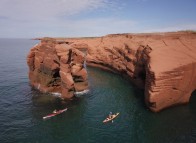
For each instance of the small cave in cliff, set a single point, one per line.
(56, 73)
(140, 75)
(56, 77)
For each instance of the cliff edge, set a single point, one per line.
(163, 64)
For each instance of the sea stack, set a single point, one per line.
(55, 67)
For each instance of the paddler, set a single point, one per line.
(110, 115)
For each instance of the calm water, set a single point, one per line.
(22, 109)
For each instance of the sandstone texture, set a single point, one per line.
(163, 64)
(54, 66)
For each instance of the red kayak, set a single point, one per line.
(54, 114)
(110, 119)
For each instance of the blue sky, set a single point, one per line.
(77, 18)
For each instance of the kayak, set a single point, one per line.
(54, 114)
(110, 119)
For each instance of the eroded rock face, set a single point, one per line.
(163, 64)
(54, 66)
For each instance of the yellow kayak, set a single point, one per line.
(110, 119)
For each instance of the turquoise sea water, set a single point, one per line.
(22, 109)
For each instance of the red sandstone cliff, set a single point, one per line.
(56, 67)
(163, 64)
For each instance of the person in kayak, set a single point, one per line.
(110, 115)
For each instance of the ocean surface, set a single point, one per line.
(22, 109)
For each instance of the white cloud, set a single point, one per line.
(47, 9)
(34, 18)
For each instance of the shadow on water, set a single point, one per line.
(138, 93)
(44, 99)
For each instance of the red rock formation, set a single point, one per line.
(164, 64)
(56, 67)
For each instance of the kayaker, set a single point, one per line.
(110, 115)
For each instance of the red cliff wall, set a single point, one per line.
(163, 64)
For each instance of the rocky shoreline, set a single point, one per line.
(163, 64)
